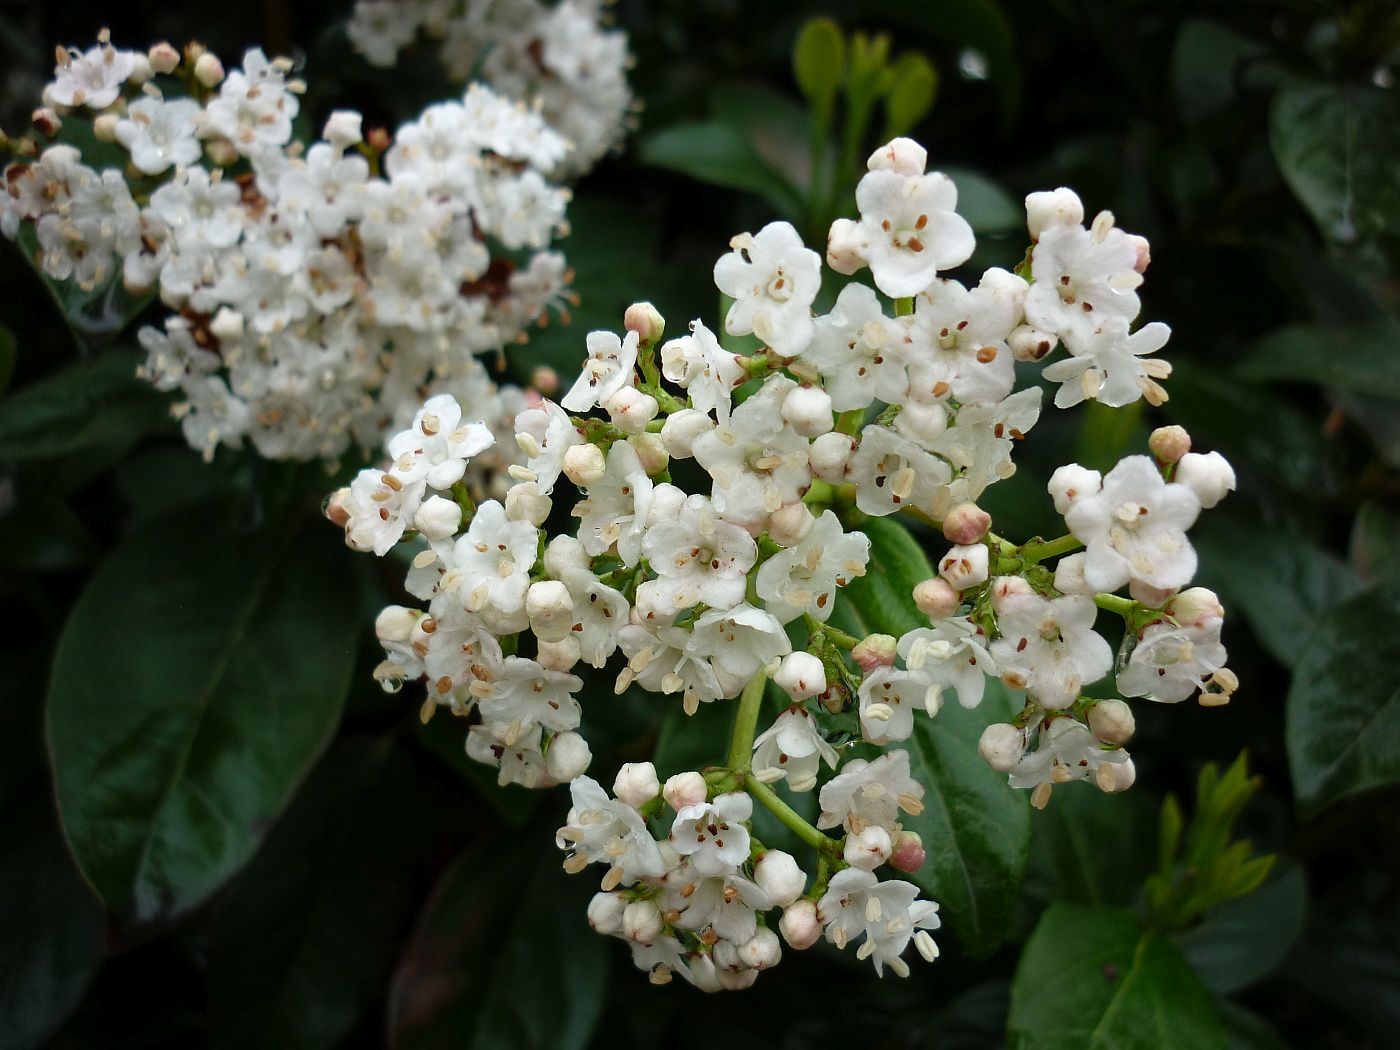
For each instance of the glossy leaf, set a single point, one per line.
(1092, 978)
(987, 207)
(1364, 359)
(717, 155)
(198, 677)
(1375, 543)
(502, 957)
(1242, 942)
(975, 827)
(1343, 705)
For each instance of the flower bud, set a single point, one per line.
(208, 70)
(1111, 721)
(965, 566)
(808, 409)
(605, 912)
(1195, 606)
(551, 610)
(1070, 482)
(1030, 344)
(681, 429)
(104, 127)
(568, 757)
(342, 129)
(874, 650)
(936, 598)
(1169, 444)
(868, 848)
(800, 926)
(378, 139)
(924, 421)
(762, 951)
(438, 518)
(1149, 596)
(846, 250)
(1004, 588)
(1209, 476)
(221, 152)
(631, 410)
(684, 789)
(646, 321)
(163, 58)
(778, 875)
(1047, 208)
(545, 380)
(801, 675)
(651, 452)
(525, 502)
(46, 122)
(560, 655)
(830, 456)
(790, 523)
(585, 464)
(394, 624)
(636, 784)
(735, 978)
(1114, 777)
(226, 325)
(563, 555)
(901, 155)
(337, 507)
(1001, 746)
(641, 922)
(1144, 252)
(1069, 575)
(666, 503)
(966, 523)
(908, 853)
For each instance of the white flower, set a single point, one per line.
(607, 370)
(1134, 528)
(738, 642)
(712, 835)
(773, 279)
(887, 914)
(698, 557)
(438, 445)
(159, 134)
(1169, 662)
(519, 763)
(865, 793)
(725, 903)
(492, 561)
(857, 353)
(1048, 646)
(524, 695)
(254, 109)
(600, 828)
(1082, 277)
(381, 506)
(950, 655)
(600, 613)
(793, 748)
(1108, 365)
(615, 510)
(892, 471)
(959, 339)
(93, 78)
(544, 433)
(1208, 475)
(888, 697)
(1066, 751)
(706, 371)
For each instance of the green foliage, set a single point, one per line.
(1094, 978)
(1363, 359)
(199, 676)
(819, 63)
(1245, 940)
(1344, 704)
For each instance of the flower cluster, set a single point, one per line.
(708, 582)
(557, 58)
(317, 293)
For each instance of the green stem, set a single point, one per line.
(1038, 551)
(789, 816)
(1115, 604)
(746, 722)
(840, 639)
(849, 422)
(904, 306)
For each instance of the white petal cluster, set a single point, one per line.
(556, 57)
(313, 300)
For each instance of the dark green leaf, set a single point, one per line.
(1091, 848)
(91, 402)
(987, 207)
(1343, 705)
(882, 601)
(716, 154)
(1206, 66)
(446, 737)
(1364, 359)
(1245, 940)
(770, 122)
(1375, 543)
(975, 827)
(198, 677)
(819, 60)
(1284, 604)
(502, 957)
(1091, 978)
(1335, 144)
(1377, 418)
(8, 355)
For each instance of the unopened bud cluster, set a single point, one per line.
(861, 411)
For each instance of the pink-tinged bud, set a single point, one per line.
(846, 250)
(559, 656)
(966, 523)
(681, 429)
(631, 410)
(646, 321)
(378, 139)
(336, 507)
(636, 784)
(1150, 597)
(651, 452)
(901, 155)
(830, 456)
(1112, 722)
(801, 675)
(908, 853)
(875, 650)
(163, 58)
(605, 912)
(965, 566)
(762, 951)
(1047, 208)
(1030, 344)
(1001, 746)
(545, 380)
(790, 523)
(937, 598)
(868, 848)
(1169, 444)
(800, 926)
(1144, 252)
(585, 464)
(1195, 607)
(1006, 588)
(208, 70)
(778, 875)
(46, 122)
(733, 979)
(684, 789)
(641, 922)
(194, 50)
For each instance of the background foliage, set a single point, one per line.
(259, 847)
